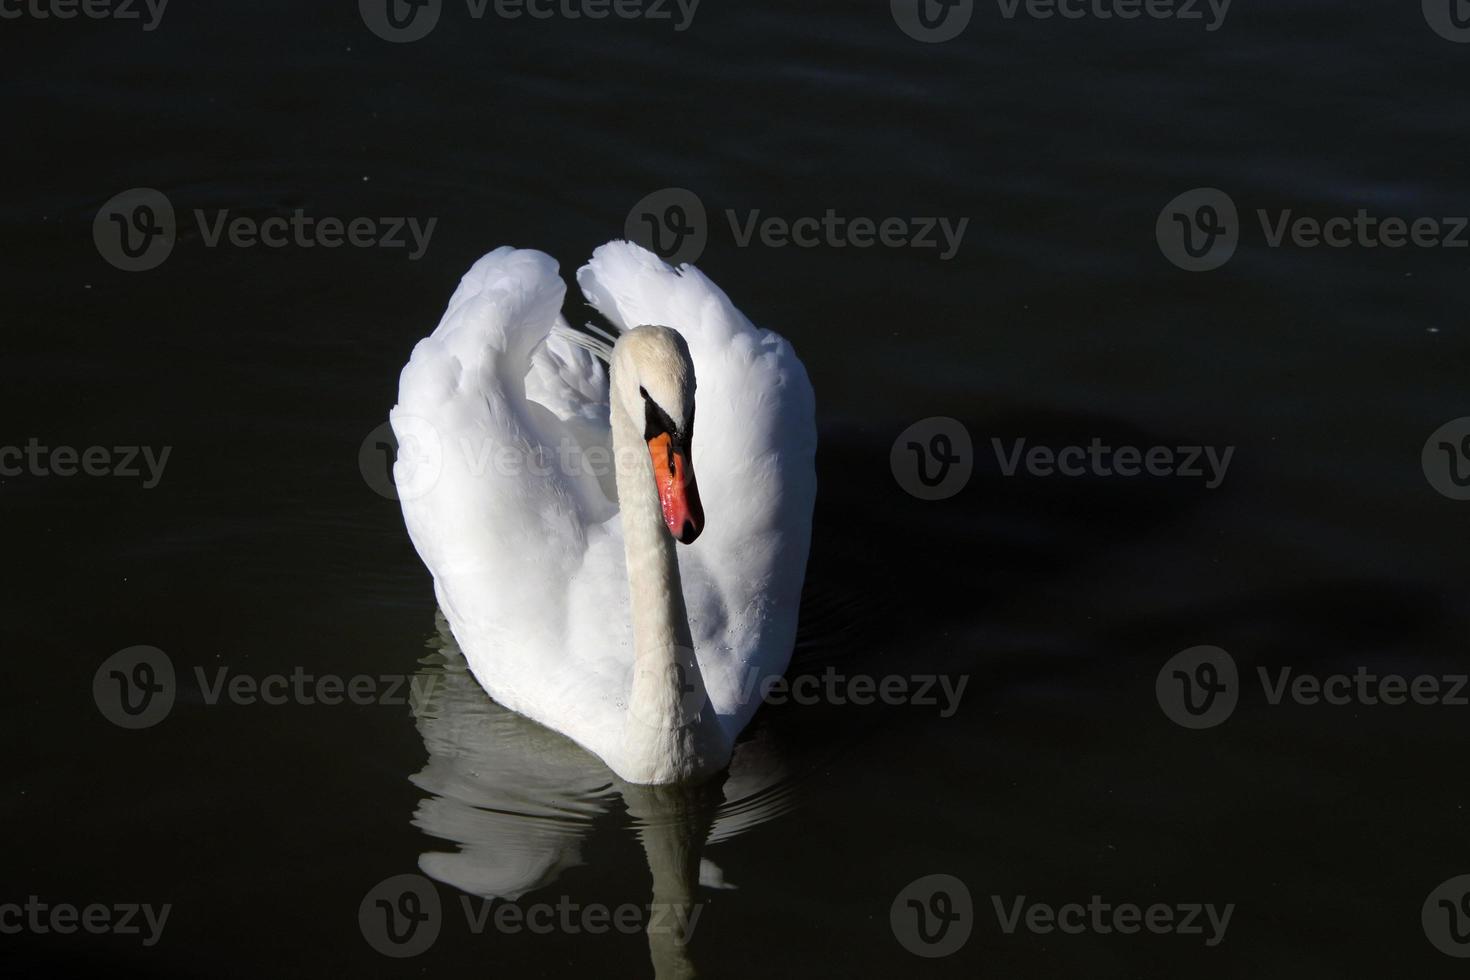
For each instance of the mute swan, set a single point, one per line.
(545, 494)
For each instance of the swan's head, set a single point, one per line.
(653, 380)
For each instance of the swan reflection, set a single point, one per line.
(518, 801)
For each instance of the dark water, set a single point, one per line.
(263, 550)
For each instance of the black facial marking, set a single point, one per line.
(656, 422)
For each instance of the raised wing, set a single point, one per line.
(498, 500)
(754, 457)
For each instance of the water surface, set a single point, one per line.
(263, 550)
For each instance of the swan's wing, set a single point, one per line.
(502, 509)
(569, 381)
(754, 457)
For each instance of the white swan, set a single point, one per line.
(545, 497)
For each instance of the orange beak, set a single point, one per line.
(678, 494)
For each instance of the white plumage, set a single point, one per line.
(505, 477)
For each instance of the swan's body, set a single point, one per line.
(552, 561)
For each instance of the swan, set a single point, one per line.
(610, 570)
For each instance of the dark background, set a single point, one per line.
(264, 549)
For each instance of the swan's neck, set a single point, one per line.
(671, 733)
